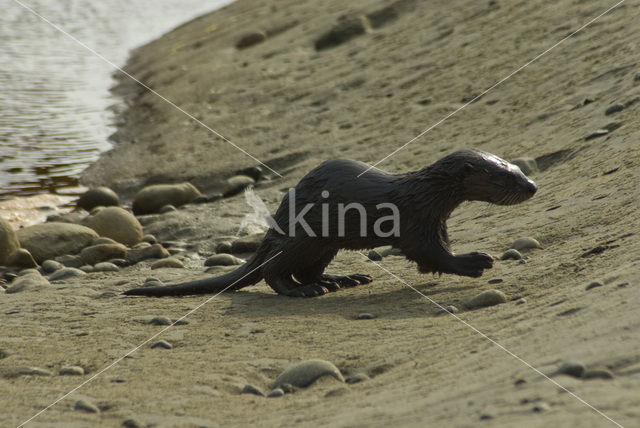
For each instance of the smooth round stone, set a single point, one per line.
(250, 389)
(103, 252)
(170, 262)
(50, 240)
(223, 260)
(69, 260)
(247, 244)
(116, 223)
(50, 266)
(149, 239)
(571, 368)
(521, 301)
(250, 39)
(449, 309)
(223, 247)
(511, 254)
(486, 298)
(103, 240)
(29, 282)
(597, 374)
(99, 196)
(276, 392)
(21, 258)
(374, 256)
(152, 198)
(66, 273)
(237, 184)
(593, 284)
(160, 320)
(132, 423)
(87, 269)
(391, 252)
(71, 371)
(155, 251)
(86, 406)
(365, 316)
(167, 209)
(163, 344)
(525, 243)
(105, 267)
(613, 109)
(305, 373)
(8, 240)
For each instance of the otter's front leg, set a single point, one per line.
(440, 260)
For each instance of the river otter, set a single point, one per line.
(423, 200)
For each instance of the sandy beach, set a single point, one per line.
(291, 102)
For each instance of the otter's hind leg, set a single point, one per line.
(315, 274)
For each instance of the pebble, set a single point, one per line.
(29, 282)
(66, 273)
(167, 209)
(357, 378)
(132, 423)
(50, 240)
(374, 256)
(486, 298)
(247, 244)
(99, 196)
(391, 252)
(526, 165)
(8, 240)
(170, 262)
(347, 27)
(151, 199)
(276, 392)
(160, 320)
(511, 254)
(250, 389)
(155, 251)
(636, 77)
(162, 344)
(521, 301)
(87, 268)
(525, 243)
(223, 247)
(21, 258)
(613, 109)
(50, 266)
(251, 39)
(223, 260)
(119, 262)
(597, 374)
(71, 371)
(116, 223)
(597, 133)
(35, 371)
(106, 267)
(103, 252)
(365, 316)
(103, 240)
(593, 284)
(69, 260)
(305, 373)
(571, 368)
(86, 406)
(254, 172)
(449, 309)
(541, 407)
(237, 184)
(149, 239)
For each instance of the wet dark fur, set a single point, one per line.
(425, 199)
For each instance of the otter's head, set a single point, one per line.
(486, 177)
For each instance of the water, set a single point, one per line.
(54, 94)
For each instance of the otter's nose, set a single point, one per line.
(531, 187)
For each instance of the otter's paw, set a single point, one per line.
(473, 264)
(348, 280)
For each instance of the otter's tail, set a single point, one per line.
(246, 275)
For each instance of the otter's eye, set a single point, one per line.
(468, 168)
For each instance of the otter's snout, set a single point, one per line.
(531, 187)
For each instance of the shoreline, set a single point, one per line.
(293, 101)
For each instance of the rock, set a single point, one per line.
(160, 320)
(521, 301)
(149, 239)
(162, 344)
(66, 273)
(593, 284)
(525, 243)
(71, 371)
(254, 172)
(223, 247)
(106, 267)
(597, 374)
(276, 392)
(70, 261)
(541, 407)
(223, 260)
(50, 266)
(102, 252)
(8, 240)
(167, 209)
(374, 256)
(357, 378)
(347, 27)
(391, 252)
(21, 258)
(116, 223)
(50, 240)
(150, 199)
(34, 371)
(237, 184)
(103, 240)
(170, 262)
(571, 368)
(75, 217)
(251, 39)
(87, 268)
(29, 282)
(250, 389)
(511, 254)
(449, 309)
(365, 316)
(86, 406)
(636, 77)
(99, 196)
(305, 373)
(597, 133)
(132, 423)
(613, 109)
(526, 165)
(155, 251)
(247, 244)
(486, 298)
